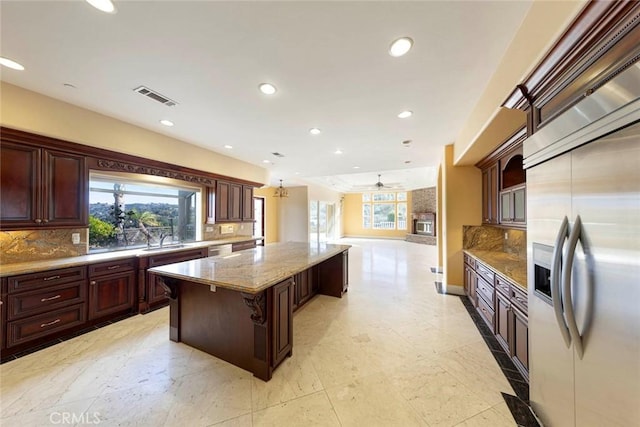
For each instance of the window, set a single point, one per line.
(129, 211)
(384, 211)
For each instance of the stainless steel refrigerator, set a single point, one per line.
(583, 253)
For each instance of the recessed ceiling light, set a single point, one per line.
(267, 88)
(400, 46)
(103, 5)
(356, 167)
(266, 161)
(228, 147)
(405, 114)
(11, 64)
(166, 122)
(338, 151)
(315, 131)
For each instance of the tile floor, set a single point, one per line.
(392, 352)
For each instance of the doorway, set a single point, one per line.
(258, 215)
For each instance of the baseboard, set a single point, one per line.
(452, 289)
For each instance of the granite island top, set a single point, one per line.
(508, 265)
(252, 270)
(50, 264)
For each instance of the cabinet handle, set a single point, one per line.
(93, 282)
(38, 220)
(51, 278)
(521, 301)
(113, 267)
(45, 220)
(50, 298)
(44, 325)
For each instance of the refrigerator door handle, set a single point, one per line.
(555, 281)
(574, 237)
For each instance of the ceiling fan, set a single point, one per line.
(379, 185)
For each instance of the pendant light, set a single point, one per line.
(281, 191)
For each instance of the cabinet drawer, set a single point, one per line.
(27, 282)
(112, 267)
(485, 272)
(243, 245)
(21, 331)
(503, 286)
(170, 258)
(486, 312)
(38, 301)
(519, 298)
(470, 261)
(485, 290)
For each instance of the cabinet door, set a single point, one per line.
(503, 312)
(64, 189)
(490, 194)
(248, 213)
(111, 294)
(282, 320)
(235, 202)
(222, 201)
(470, 282)
(211, 205)
(19, 192)
(506, 207)
(520, 342)
(519, 205)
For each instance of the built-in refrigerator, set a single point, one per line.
(583, 253)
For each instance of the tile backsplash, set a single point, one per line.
(37, 245)
(489, 238)
(223, 231)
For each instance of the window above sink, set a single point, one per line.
(128, 211)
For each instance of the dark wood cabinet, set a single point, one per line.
(112, 288)
(151, 294)
(520, 341)
(490, 194)
(503, 320)
(513, 208)
(233, 202)
(42, 188)
(282, 321)
(240, 246)
(248, 213)
(333, 275)
(42, 305)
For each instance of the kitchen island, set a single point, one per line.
(239, 307)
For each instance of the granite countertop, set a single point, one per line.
(508, 265)
(49, 264)
(252, 270)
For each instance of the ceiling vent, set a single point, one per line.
(278, 154)
(155, 96)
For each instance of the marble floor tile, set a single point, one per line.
(391, 352)
(373, 400)
(312, 410)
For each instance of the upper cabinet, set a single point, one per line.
(41, 187)
(233, 202)
(504, 184)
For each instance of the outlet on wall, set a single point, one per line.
(75, 238)
(506, 235)
(208, 229)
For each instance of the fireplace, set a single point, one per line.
(424, 223)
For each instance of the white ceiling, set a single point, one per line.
(328, 60)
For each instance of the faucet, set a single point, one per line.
(164, 236)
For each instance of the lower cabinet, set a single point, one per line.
(333, 275)
(150, 293)
(503, 306)
(305, 285)
(282, 320)
(112, 288)
(235, 247)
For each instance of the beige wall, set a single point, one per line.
(461, 205)
(29, 111)
(293, 215)
(271, 228)
(544, 23)
(352, 206)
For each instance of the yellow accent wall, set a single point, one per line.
(461, 205)
(352, 219)
(32, 112)
(271, 207)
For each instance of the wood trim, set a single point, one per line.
(102, 159)
(600, 42)
(509, 144)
